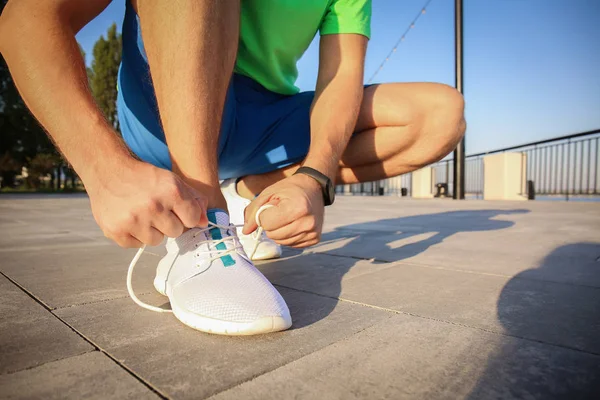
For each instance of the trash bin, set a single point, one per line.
(441, 190)
(530, 190)
(404, 192)
(381, 191)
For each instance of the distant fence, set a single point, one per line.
(564, 166)
(391, 186)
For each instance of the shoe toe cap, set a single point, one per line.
(240, 305)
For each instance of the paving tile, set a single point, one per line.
(89, 376)
(27, 237)
(492, 241)
(412, 358)
(318, 272)
(184, 363)
(38, 220)
(556, 313)
(511, 278)
(29, 334)
(522, 305)
(67, 276)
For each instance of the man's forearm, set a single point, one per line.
(333, 118)
(47, 68)
(191, 48)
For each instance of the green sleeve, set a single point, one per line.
(347, 16)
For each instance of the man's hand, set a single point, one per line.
(297, 218)
(140, 204)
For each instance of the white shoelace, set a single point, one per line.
(213, 243)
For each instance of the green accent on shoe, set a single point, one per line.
(215, 234)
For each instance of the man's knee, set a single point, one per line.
(439, 126)
(448, 110)
(445, 122)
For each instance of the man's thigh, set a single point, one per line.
(271, 131)
(401, 104)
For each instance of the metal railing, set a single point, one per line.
(563, 166)
(443, 172)
(391, 186)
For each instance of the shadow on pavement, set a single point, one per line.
(567, 316)
(373, 238)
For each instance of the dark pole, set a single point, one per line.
(458, 190)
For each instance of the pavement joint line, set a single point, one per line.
(86, 303)
(253, 377)
(46, 362)
(53, 246)
(34, 297)
(91, 342)
(421, 265)
(391, 310)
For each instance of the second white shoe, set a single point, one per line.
(256, 245)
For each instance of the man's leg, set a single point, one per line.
(191, 48)
(401, 127)
(211, 284)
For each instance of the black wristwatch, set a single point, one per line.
(324, 181)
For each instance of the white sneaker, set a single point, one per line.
(257, 245)
(213, 286)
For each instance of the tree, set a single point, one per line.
(22, 138)
(105, 68)
(42, 165)
(20, 134)
(9, 168)
(88, 70)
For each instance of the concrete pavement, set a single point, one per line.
(415, 299)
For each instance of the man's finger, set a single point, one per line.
(168, 224)
(128, 241)
(203, 205)
(287, 231)
(279, 216)
(305, 243)
(294, 240)
(191, 212)
(250, 212)
(149, 236)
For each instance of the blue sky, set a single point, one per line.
(531, 72)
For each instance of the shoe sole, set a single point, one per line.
(219, 327)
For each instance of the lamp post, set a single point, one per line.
(458, 190)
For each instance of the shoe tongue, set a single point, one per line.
(190, 238)
(218, 216)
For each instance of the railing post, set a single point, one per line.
(568, 166)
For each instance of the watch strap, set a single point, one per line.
(321, 178)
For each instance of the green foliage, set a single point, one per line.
(21, 137)
(42, 165)
(23, 142)
(105, 67)
(88, 70)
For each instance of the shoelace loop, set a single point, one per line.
(219, 254)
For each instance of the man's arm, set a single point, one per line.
(338, 97)
(133, 202)
(37, 39)
(298, 218)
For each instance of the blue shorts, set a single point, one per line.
(261, 131)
